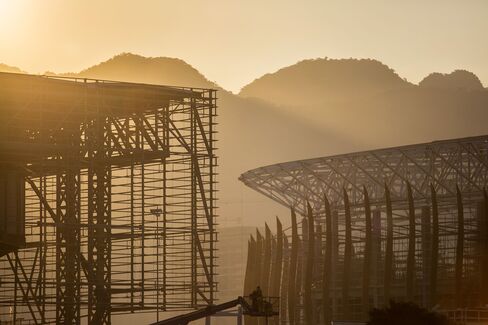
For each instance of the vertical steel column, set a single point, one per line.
(335, 271)
(259, 264)
(166, 136)
(249, 267)
(211, 204)
(143, 226)
(410, 289)
(284, 282)
(376, 259)
(459, 250)
(426, 255)
(308, 301)
(388, 275)
(68, 233)
(346, 278)
(194, 234)
(265, 276)
(327, 275)
(44, 250)
(292, 278)
(259, 257)
(250, 276)
(277, 265)
(132, 237)
(484, 249)
(367, 253)
(277, 262)
(99, 221)
(435, 247)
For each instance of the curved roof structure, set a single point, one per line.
(444, 164)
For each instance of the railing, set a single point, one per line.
(262, 306)
(464, 316)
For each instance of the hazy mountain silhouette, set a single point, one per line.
(251, 133)
(7, 68)
(136, 68)
(458, 79)
(313, 108)
(370, 103)
(322, 81)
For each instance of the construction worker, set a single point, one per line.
(257, 299)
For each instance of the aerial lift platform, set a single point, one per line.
(265, 307)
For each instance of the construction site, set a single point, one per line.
(406, 223)
(107, 199)
(108, 206)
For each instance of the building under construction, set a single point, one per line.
(407, 223)
(107, 199)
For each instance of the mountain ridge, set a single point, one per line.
(334, 79)
(357, 105)
(10, 69)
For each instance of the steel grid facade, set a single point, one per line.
(97, 157)
(405, 223)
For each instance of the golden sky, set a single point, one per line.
(233, 42)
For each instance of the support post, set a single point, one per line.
(459, 250)
(68, 233)
(292, 278)
(426, 256)
(99, 222)
(265, 276)
(308, 301)
(284, 282)
(346, 278)
(435, 247)
(484, 247)
(375, 255)
(367, 254)
(327, 269)
(410, 285)
(388, 275)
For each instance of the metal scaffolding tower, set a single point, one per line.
(94, 160)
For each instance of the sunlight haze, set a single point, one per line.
(232, 42)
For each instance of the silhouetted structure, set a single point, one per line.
(407, 223)
(115, 183)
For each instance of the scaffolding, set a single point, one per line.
(407, 223)
(119, 200)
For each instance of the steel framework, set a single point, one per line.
(408, 223)
(119, 198)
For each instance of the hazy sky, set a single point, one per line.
(233, 42)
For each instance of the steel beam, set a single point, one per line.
(327, 284)
(284, 282)
(346, 277)
(435, 248)
(459, 251)
(410, 275)
(292, 278)
(309, 268)
(367, 254)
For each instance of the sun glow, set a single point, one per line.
(9, 14)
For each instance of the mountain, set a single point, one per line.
(458, 79)
(374, 107)
(252, 133)
(7, 68)
(313, 108)
(323, 81)
(136, 68)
